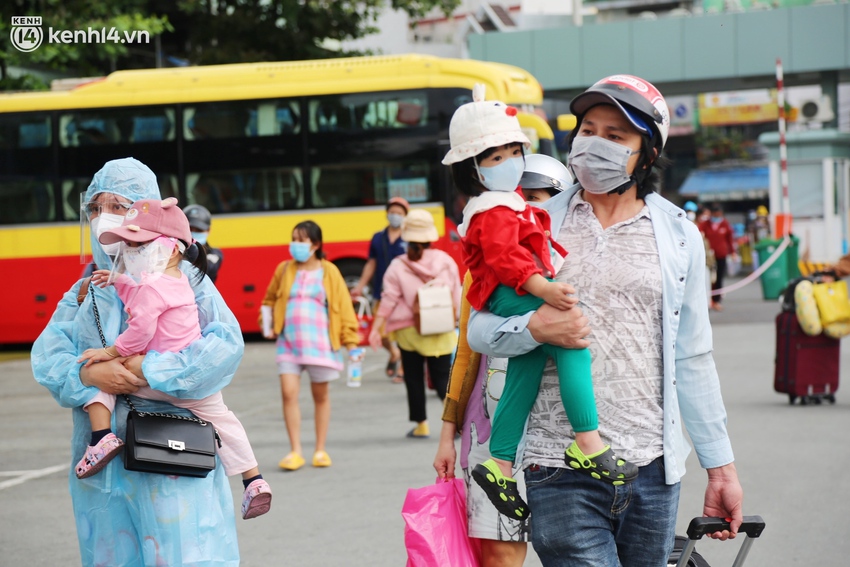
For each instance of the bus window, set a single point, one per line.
(366, 111)
(86, 130)
(287, 115)
(241, 119)
(369, 184)
(272, 118)
(217, 120)
(154, 127)
(26, 201)
(24, 131)
(329, 115)
(135, 125)
(167, 185)
(72, 191)
(246, 190)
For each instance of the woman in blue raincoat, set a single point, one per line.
(123, 517)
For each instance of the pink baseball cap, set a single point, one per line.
(401, 202)
(149, 219)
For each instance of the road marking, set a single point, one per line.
(23, 476)
(258, 409)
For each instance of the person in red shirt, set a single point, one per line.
(720, 235)
(513, 260)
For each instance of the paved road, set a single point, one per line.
(793, 463)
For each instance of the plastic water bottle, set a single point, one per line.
(355, 367)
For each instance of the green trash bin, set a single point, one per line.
(783, 270)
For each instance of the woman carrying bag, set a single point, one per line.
(125, 517)
(421, 266)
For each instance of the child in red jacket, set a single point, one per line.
(513, 259)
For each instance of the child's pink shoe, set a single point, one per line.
(257, 499)
(98, 456)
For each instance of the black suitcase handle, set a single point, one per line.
(753, 526)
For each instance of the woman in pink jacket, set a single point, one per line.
(402, 280)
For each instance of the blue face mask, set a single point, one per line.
(300, 251)
(200, 237)
(716, 220)
(504, 176)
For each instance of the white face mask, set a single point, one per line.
(101, 224)
(600, 164)
(395, 219)
(148, 260)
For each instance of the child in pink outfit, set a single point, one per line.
(162, 316)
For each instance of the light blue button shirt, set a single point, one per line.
(691, 385)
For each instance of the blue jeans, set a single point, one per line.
(577, 520)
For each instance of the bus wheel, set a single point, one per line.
(351, 269)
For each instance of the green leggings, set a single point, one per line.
(523, 377)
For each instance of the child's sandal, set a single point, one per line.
(604, 466)
(97, 456)
(501, 490)
(257, 499)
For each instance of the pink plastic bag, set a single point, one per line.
(435, 526)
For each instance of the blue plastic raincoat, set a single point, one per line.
(130, 518)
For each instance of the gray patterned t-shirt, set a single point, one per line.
(617, 275)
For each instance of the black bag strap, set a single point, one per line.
(385, 244)
(96, 312)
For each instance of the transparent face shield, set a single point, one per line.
(106, 211)
(146, 262)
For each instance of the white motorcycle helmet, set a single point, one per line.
(636, 98)
(545, 172)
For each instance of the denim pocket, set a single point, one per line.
(536, 475)
(659, 463)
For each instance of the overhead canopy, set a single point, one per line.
(738, 184)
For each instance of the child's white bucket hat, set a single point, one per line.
(481, 124)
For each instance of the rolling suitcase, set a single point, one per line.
(806, 367)
(684, 554)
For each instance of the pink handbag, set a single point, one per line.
(435, 526)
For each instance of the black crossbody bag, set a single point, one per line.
(166, 443)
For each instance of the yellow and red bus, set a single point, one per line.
(263, 146)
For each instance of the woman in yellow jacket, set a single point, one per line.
(308, 309)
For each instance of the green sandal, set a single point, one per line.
(602, 466)
(501, 490)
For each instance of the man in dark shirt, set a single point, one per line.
(385, 245)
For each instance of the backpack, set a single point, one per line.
(433, 307)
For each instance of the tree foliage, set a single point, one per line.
(194, 32)
(82, 59)
(231, 31)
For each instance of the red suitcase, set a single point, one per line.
(806, 367)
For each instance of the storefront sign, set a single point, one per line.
(738, 107)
